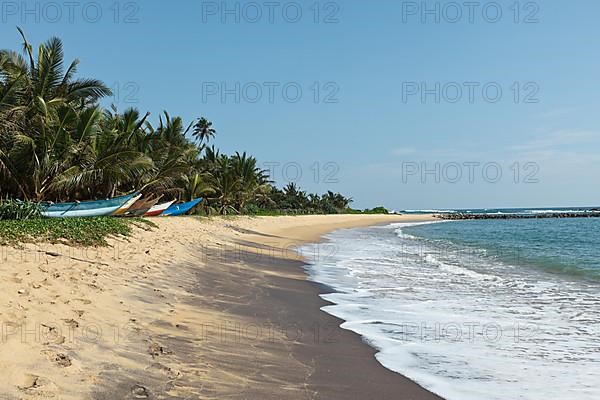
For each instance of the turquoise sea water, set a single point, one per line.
(471, 310)
(522, 211)
(561, 246)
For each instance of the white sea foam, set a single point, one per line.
(464, 326)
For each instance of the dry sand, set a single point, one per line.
(195, 309)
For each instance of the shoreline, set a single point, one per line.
(210, 308)
(346, 366)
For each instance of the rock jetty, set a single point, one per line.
(465, 216)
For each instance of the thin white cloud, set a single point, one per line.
(555, 113)
(562, 147)
(558, 140)
(403, 151)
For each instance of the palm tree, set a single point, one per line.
(105, 161)
(226, 184)
(252, 179)
(197, 186)
(295, 198)
(172, 155)
(44, 101)
(203, 130)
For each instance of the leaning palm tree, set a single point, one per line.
(47, 79)
(43, 101)
(102, 163)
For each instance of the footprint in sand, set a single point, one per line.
(168, 371)
(140, 392)
(84, 301)
(156, 350)
(60, 359)
(30, 383)
(52, 335)
(71, 322)
(60, 340)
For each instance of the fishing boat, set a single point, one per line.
(140, 207)
(180, 209)
(158, 209)
(128, 204)
(96, 208)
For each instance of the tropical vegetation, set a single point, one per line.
(58, 144)
(72, 231)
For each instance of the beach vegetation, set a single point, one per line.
(71, 231)
(376, 210)
(14, 209)
(58, 144)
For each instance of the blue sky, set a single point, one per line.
(366, 129)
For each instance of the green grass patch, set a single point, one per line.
(73, 231)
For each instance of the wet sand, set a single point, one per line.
(197, 309)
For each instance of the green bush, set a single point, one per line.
(19, 210)
(251, 209)
(377, 210)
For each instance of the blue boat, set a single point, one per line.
(82, 209)
(180, 209)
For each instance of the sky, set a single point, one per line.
(410, 105)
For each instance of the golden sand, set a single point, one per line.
(77, 320)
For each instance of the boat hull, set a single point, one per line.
(84, 209)
(140, 208)
(180, 209)
(158, 209)
(128, 204)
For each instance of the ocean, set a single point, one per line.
(514, 211)
(471, 310)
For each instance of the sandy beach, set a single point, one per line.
(214, 308)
